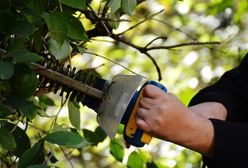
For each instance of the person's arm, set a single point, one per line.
(209, 110)
(205, 131)
(231, 135)
(164, 116)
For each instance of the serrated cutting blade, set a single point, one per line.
(115, 101)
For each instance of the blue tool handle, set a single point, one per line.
(159, 85)
(135, 137)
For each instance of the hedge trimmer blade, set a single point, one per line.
(114, 104)
(67, 81)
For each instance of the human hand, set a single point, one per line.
(160, 114)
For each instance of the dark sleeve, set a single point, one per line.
(231, 136)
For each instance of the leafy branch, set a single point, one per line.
(104, 29)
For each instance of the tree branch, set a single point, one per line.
(142, 50)
(145, 50)
(182, 45)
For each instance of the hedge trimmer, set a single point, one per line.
(115, 101)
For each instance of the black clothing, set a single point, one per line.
(230, 136)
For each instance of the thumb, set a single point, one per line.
(151, 91)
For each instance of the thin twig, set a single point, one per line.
(157, 38)
(99, 7)
(66, 156)
(175, 28)
(56, 117)
(105, 9)
(101, 40)
(142, 50)
(13, 162)
(61, 106)
(94, 68)
(113, 62)
(112, 20)
(37, 128)
(179, 30)
(182, 45)
(14, 128)
(142, 21)
(155, 64)
(102, 22)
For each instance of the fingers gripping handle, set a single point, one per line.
(132, 134)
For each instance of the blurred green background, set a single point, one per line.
(185, 70)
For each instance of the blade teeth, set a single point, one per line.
(83, 76)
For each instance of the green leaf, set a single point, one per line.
(5, 86)
(94, 137)
(20, 54)
(4, 110)
(75, 29)
(114, 5)
(22, 28)
(151, 165)
(7, 140)
(116, 149)
(37, 6)
(21, 139)
(81, 49)
(25, 57)
(34, 155)
(26, 107)
(24, 82)
(66, 138)
(78, 4)
(101, 135)
(59, 51)
(121, 129)
(6, 70)
(135, 160)
(218, 6)
(128, 6)
(16, 45)
(57, 128)
(114, 16)
(45, 101)
(57, 25)
(5, 23)
(38, 166)
(74, 113)
(37, 40)
(90, 136)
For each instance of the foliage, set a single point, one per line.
(187, 46)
